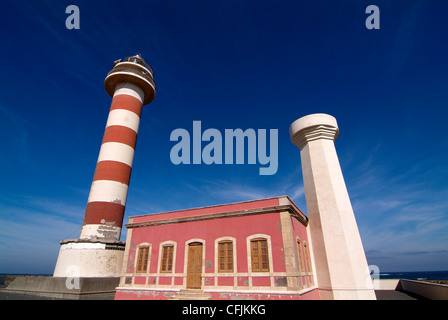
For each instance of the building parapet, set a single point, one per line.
(428, 290)
(289, 208)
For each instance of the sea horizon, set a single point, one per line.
(415, 275)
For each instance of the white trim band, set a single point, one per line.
(96, 231)
(116, 151)
(82, 246)
(125, 118)
(129, 89)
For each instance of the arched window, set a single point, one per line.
(225, 256)
(259, 255)
(142, 259)
(166, 258)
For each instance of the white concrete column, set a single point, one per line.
(341, 266)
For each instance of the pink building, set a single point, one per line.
(256, 249)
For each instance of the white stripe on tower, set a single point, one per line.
(107, 199)
(108, 191)
(130, 90)
(116, 151)
(125, 118)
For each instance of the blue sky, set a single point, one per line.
(229, 64)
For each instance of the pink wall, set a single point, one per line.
(207, 232)
(210, 230)
(209, 210)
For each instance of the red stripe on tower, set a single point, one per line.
(120, 134)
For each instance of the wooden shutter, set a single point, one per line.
(299, 247)
(225, 256)
(309, 279)
(142, 259)
(259, 255)
(167, 259)
(307, 258)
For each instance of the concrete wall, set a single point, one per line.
(386, 284)
(65, 288)
(432, 291)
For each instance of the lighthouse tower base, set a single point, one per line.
(85, 270)
(80, 258)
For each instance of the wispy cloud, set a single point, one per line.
(401, 212)
(406, 37)
(407, 225)
(55, 207)
(412, 260)
(32, 228)
(41, 214)
(241, 190)
(13, 136)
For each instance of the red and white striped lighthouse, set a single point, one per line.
(98, 251)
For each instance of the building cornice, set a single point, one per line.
(289, 208)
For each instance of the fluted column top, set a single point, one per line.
(313, 127)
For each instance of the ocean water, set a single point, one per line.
(417, 275)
